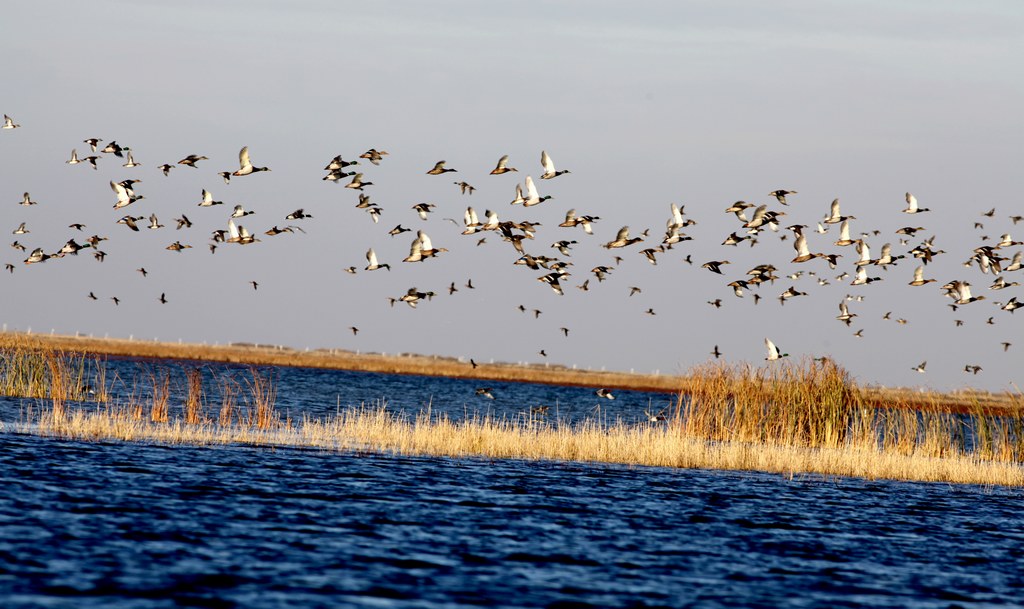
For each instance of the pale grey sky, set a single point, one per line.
(696, 103)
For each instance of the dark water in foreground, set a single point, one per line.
(128, 525)
(109, 525)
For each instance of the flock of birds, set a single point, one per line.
(553, 263)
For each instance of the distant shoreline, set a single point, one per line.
(341, 359)
(426, 365)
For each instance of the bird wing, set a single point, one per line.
(865, 250)
(232, 229)
(424, 240)
(545, 160)
(801, 246)
(759, 214)
(677, 216)
(502, 162)
(531, 189)
(371, 257)
(844, 231)
(123, 198)
(519, 194)
(416, 249)
(911, 202)
(243, 158)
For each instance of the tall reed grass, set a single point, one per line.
(30, 369)
(261, 388)
(194, 396)
(161, 381)
(815, 404)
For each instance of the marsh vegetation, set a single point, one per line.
(797, 417)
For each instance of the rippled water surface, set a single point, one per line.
(318, 393)
(136, 525)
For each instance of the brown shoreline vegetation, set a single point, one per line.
(804, 417)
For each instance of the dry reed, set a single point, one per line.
(378, 430)
(262, 414)
(159, 412)
(194, 396)
(28, 368)
(228, 395)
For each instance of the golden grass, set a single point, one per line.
(796, 417)
(30, 369)
(159, 412)
(194, 396)
(378, 430)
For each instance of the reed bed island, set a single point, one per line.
(802, 417)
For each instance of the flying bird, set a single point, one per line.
(439, 168)
(773, 351)
(549, 167)
(780, 195)
(714, 265)
(372, 264)
(912, 207)
(191, 160)
(502, 166)
(207, 200)
(245, 166)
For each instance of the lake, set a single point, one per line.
(119, 525)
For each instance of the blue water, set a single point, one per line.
(320, 393)
(117, 525)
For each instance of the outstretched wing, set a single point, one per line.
(545, 160)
